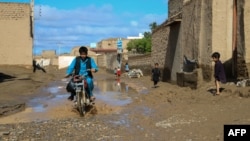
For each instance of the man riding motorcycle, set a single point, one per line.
(84, 66)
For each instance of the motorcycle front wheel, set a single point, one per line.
(80, 103)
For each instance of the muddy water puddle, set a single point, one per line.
(52, 101)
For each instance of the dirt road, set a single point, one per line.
(167, 112)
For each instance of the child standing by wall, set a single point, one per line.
(115, 71)
(118, 72)
(126, 67)
(156, 74)
(219, 72)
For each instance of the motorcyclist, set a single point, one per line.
(83, 71)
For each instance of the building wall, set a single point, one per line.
(222, 20)
(112, 43)
(159, 47)
(243, 36)
(174, 7)
(49, 54)
(205, 40)
(204, 31)
(247, 30)
(75, 51)
(143, 62)
(191, 19)
(184, 38)
(166, 48)
(247, 33)
(109, 43)
(196, 38)
(101, 60)
(175, 50)
(16, 42)
(205, 26)
(188, 34)
(136, 37)
(110, 60)
(242, 70)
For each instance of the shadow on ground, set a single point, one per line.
(213, 91)
(6, 77)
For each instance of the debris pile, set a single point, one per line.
(135, 73)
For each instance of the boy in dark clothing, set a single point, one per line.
(156, 74)
(219, 73)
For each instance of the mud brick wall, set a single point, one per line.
(191, 21)
(13, 11)
(196, 38)
(244, 22)
(142, 62)
(160, 38)
(189, 35)
(187, 79)
(174, 7)
(109, 60)
(242, 71)
(49, 54)
(16, 38)
(243, 39)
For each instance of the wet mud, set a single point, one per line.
(111, 95)
(125, 109)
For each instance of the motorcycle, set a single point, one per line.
(83, 101)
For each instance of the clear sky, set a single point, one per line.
(64, 24)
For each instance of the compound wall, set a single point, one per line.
(16, 38)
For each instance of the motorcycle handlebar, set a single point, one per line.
(73, 75)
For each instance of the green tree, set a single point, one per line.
(153, 26)
(142, 45)
(131, 45)
(147, 34)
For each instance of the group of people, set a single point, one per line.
(219, 73)
(117, 71)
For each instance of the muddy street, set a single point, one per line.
(127, 109)
(51, 101)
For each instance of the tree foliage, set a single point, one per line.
(153, 26)
(142, 45)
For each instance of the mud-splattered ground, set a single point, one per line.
(167, 112)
